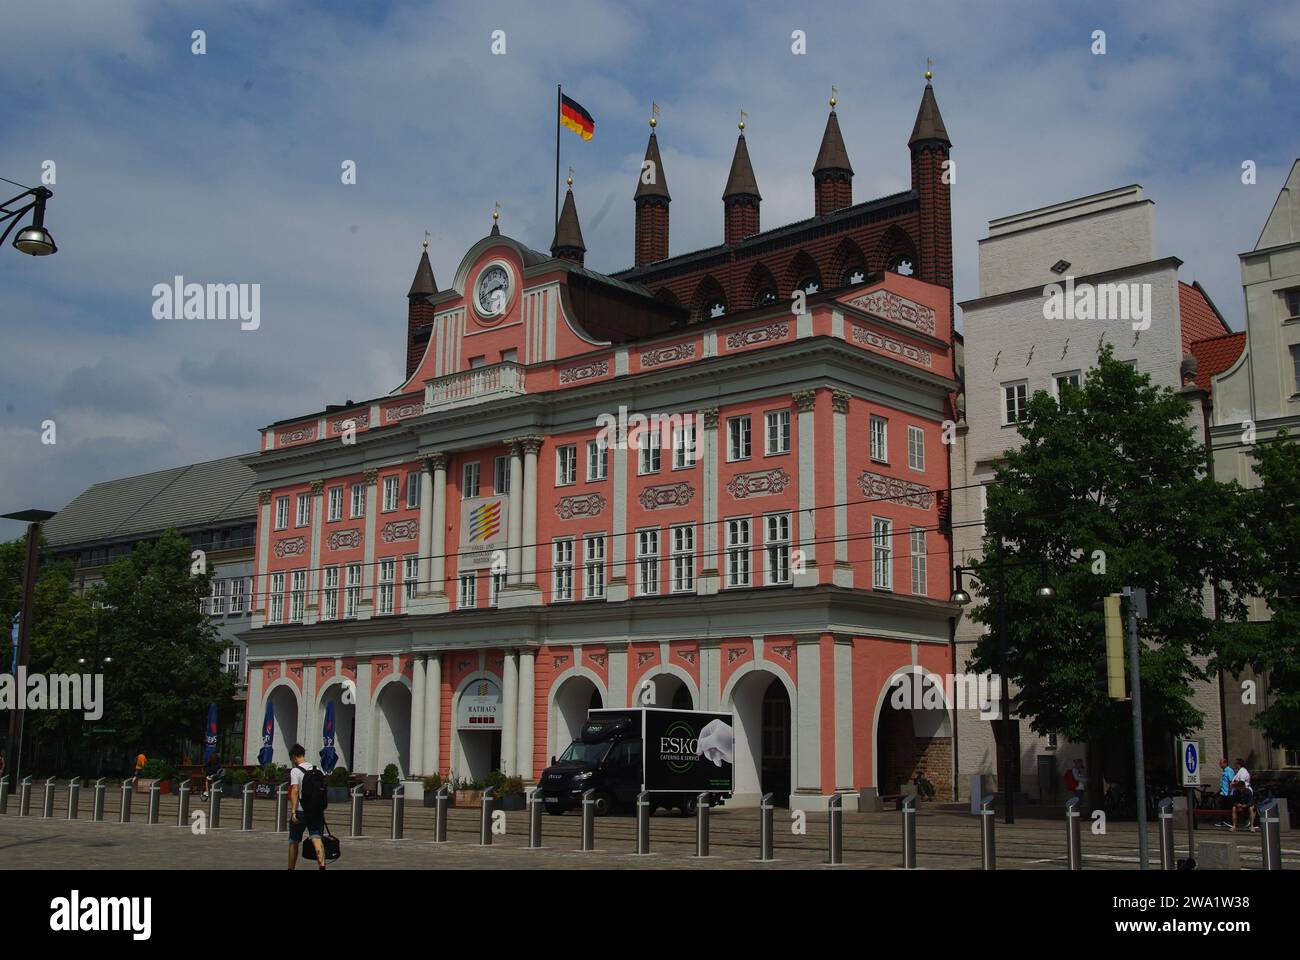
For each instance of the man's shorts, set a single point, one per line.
(310, 828)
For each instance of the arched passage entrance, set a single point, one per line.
(672, 691)
(392, 743)
(569, 707)
(913, 733)
(285, 705)
(345, 725)
(764, 736)
(478, 728)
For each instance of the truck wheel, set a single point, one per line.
(604, 804)
(555, 809)
(688, 807)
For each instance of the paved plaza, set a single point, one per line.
(947, 838)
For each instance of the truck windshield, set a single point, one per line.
(585, 752)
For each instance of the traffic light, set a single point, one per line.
(1115, 648)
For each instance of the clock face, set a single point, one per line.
(493, 291)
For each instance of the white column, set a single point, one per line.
(844, 733)
(311, 728)
(528, 560)
(618, 676)
(311, 611)
(616, 590)
(805, 403)
(253, 717)
(527, 693)
(710, 561)
(509, 713)
(417, 718)
(806, 786)
(259, 601)
(366, 607)
(843, 573)
(433, 714)
(425, 547)
(515, 524)
(437, 585)
(363, 720)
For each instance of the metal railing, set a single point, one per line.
(505, 379)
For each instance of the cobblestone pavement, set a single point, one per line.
(946, 839)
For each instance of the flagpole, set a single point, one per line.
(558, 107)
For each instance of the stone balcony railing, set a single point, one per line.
(474, 386)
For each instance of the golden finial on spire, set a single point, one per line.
(741, 125)
(496, 211)
(929, 74)
(569, 178)
(834, 90)
(426, 239)
(654, 114)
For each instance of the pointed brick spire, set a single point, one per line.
(832, 156)
(658, 183)
(651, 199)
(568, 234)
(832, 173)
(741, 181)
(929, 124)
(741, 198)
(423, 285)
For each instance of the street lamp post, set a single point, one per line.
(33, 239)
(33, 519)
(1011, 732)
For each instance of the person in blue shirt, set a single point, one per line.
(1225, 787)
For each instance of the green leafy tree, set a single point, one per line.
(1109, 489)
(1270, 551)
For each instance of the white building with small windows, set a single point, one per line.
(1057, 284)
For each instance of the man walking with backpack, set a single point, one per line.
(308, 797)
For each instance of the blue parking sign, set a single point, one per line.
(1190, 752)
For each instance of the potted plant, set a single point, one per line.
(154, 771)
(389, 780)
(432, 784)
(467, 792)
(233, 785)
(336, 785)
(511, 792)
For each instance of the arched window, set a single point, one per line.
(901, 264)
(764, 297)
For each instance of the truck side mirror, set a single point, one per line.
(552, 759)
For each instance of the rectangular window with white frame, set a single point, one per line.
(1015, 402)
(304, 510)
(778, 432)
(358, 500)
(920, 585)
(682, 546)
(329, 600)
(467, 594)
(1295, 370)
(218, 598)
(387, 586)
(684, 445)
(648, 452)
(879, 439)
(410, 578)
(593, 566)
(501, 476)
(413, 481)
(882, 553)
(738, 439)
(392, 491)
(566, 465)
(237, 595)
(336, 503)
(297, 595)
(469, 481)
(277, 598)
(562, 570)
(496, 583)
(916, 448)
(352, 594)
(282, 513)
(776, 544)
(738, 558)
(1071, 378)
(647, 562)
(597, 460)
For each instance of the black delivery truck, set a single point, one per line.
(674, 754)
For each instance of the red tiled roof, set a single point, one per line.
(1200, 320)
(1216, 354)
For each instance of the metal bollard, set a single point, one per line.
(765, 828)
(354, 828)
(25, 796)
(988, 851)
(246, 807)
(1073, 849)
(74, 798)
(214, 805)
(97, 808)
(702, 825)
(441, 804)
(485, 807)
(1165, 823)
(4, 795)
(282, 808)
(588, 820)
(155, 803)
(128, 796)
(1270, 837)
(398, 828)
(909, 832)
(643, 823)
(47, 801)
(183, 804)
(835, 812)
(535, 819)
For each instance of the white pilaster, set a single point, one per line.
(363, 721)
(805, 403)
(417, 718)
(808, 719)
(525, 720)
(259, 601)
(425, 543)
(311, 609)
(509, 713)
(528, 560)
(616, 590)
(433, 715)
(515, 521)
(618, 677)
(437, 585)
(709, 579)
(844, 733)
(843, 573)
(367, 605)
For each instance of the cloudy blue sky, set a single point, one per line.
(226, 168)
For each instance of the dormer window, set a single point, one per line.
(765, 297)
(901, 265)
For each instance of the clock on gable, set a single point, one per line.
(493, 290)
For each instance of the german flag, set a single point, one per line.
(574, 116)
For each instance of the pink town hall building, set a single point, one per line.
(588, 493)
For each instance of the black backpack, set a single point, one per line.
(313, 794)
